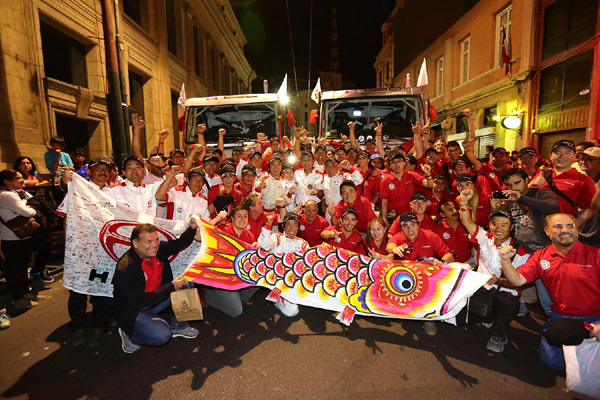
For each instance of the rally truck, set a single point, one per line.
(397, 109)
(242, 116)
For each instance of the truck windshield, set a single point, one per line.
(241, 121)
(397, 115)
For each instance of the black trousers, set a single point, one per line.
(41, 249)
(17, 254)
(101, 311)
(505, 308)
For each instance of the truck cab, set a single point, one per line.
(242, 116)
(397, 109)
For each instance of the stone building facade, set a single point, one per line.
(52, 64)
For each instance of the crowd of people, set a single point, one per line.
(435, 201)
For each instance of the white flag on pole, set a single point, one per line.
(97, 235)
(282, 92)
(316, 93)
(181, 99)
(422, 80)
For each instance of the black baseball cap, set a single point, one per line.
(321, 147)
(431, 149)
(237, 149)
(418, 196)
(527, 151)
(255, 153)
(273, 159)
(134, 158)
(341, 149)
(176, 151)
(439, 177)
(209, 158)
(331, 159)
(408, 216)
(364, 153)
(565, 143)
(461, 161)
(500, 213)
(198, 171)
(290, 216)
(101, 160)
(500, 149)
(287, 166)
(349, 210)
(463, 178)
(248, 168)
(227, 170)
(397, 155)
(307, 154)
(352, 148)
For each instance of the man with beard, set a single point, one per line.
(312, 224)
(571, 272)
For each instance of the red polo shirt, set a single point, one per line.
(364, 212)
(246, 235)
(428, 244)
(370, 185)
(427, 223)
(255, 225)
(433, 202)
(381, 249)
(153, 273)
(312, 232)
(483, 209)
(215, 190)
(397, 192)
(240, 188)
(353, 243)
(577, 186)
(573, 281)
(493, 176)
(457, 240)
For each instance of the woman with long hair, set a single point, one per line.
(377, 239)
(29, 172)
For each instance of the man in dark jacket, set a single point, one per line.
(142, 283)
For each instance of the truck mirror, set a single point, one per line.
(314, 116)
(432, 113)
(290, 118)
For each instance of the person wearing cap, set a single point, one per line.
(246, 183)
(254, 159)
(332, 182)
(286, 242)
(479, 202)
(360, 204)
(454, 234)
(438, 193)
(589, 163)
(492, 171)
(227, 186)
(505, 298)
(100, 173)
(528, 158)
(236, 154)
(345, 236)
(377, 163)
(309, 180)
(183, 202)
(431, 157)
(176, 157)
(274, 144)
(573, 189)
(369, 188)
(271, 187)
(341, 154)
(352, 153)
(418, 205)
(312, 224)
(463, 166)
(79, 164)
(210, 163)
(571, 272)
(397, 187)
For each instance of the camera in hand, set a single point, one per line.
(500, 195)
(406, 248)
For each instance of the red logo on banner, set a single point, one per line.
(118, 232)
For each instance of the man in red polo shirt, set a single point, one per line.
(418, 205)
(257, 217)
(453, 233)
(397, 187)
(246, 184)
(436, 195)
(345, 236)
(577, 189)
(361, 206)
(569, 269)
(312, 224)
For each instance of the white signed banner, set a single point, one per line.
(97, 234)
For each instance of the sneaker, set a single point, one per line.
(430, 328)
(96, 337)
(187, 333)
(496, 344)
(4, 319)
(35, 297)
(288, 309)
(78, 337)
(487, 324)
(126, 344)
(24, 305)
(41, 276)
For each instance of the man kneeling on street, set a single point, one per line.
(142, 283)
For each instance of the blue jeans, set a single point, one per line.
(543, 296)
(152, 330)
(552, 356)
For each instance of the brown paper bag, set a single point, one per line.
(186, 305)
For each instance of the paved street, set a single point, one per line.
(262, 354)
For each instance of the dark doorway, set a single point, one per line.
(77, 133)
(136, 94)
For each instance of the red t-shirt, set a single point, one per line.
(428, 244)
(312, 232)
(245, 236)
(577, 186)
(481, 184)
(381, 249)
(457, 240)
(427, 223)
(153, 273)
(215, 190)
(483, 209)
(573, 281)
(370, 185)
(398, 193)
(240, 188)
(364, 212)
(493, 177)
(353, 243)
(433, 202)
(255, 225)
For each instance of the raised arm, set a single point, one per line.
(465, 211)
(469, 115)
(189, 161)
(468, 146)
(596, 199)
(351, 134)
(221, 143)
(510, 272)
(136, 139)
(162, 136)
(418, 140)
(379, 138)
(161, 192)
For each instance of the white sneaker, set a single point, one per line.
(126, 344)
(430, 328)
(288, 309)
(4, 319)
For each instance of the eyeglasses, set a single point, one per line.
(561, 226)
(586, 160)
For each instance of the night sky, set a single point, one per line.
(265, 26)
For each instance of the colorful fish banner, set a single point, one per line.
(336, 279)
(97, 234)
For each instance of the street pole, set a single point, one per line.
(121, 63)
(114, 88)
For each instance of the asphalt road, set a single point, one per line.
(265, 355)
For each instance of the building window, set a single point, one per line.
(561, 84)
(503, 23)
(64, 57)
(465, 51)
(136, 99)
(133, 10)
(439, 84)
(568, 23)
(171, 27)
